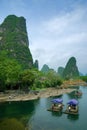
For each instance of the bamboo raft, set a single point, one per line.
(72, 113)
(54, 110)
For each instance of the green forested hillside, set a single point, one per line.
(71, 69)
(60, 71)
(45, 68)
(14, 40)
(17, 69)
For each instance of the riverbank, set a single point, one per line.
(31, 96)
(66, 87)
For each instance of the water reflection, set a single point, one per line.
(16, 109)
(11, 124)
(35, 115)
(21, 110)
(72, 117)
(58, 114)
(73, 95)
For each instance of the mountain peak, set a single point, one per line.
(71, 69)
(14, 39)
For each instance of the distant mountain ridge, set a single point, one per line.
(69, 72)
(46, 69)
(14, 40)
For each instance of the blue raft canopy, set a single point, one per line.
(57, 100)
(73, 102)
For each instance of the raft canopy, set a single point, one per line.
(73, 102)
(57, 100)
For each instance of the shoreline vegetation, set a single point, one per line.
(18, 95)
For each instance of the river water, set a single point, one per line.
(35, 116)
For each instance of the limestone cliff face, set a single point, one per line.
(71, 69)
(36, 65)
(14, 40)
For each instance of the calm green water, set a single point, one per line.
(34, 113)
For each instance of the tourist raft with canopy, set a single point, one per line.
(72, 107)
(57, 105)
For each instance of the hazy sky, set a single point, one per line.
(57, 29)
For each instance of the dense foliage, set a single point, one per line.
(12, 76)
(44, 80)
(9, 71)
(84, 78)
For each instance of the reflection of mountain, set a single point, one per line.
(14, 124)
(16, 109)
(20, 110)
